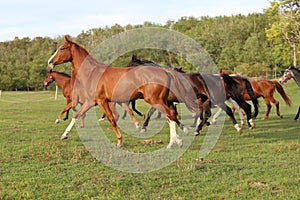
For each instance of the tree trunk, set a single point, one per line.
(295, 54)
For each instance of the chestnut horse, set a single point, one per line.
(291, 72)
(98, 83)
(266, 89)
(63, 80)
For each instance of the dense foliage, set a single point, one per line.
(255, 45)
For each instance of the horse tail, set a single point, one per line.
(183, 91)
(252, 96)
(281, 91)
(233, 87)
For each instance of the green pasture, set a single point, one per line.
(263, 163)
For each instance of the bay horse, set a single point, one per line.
(99, 84)
(63, 80)
(291, 72)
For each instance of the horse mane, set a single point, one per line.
(137, 62)
(296, 75)
(62, 73)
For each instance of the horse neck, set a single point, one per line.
(296, 76)
(79, 56)
(60, 79)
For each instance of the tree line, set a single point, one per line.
(255, 45)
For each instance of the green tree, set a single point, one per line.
(285, 17)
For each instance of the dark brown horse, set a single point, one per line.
(265, 89)
(63, 80)
(98, 83)
(291, 72)
(233, 91)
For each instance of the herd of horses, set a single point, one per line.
(93, 83)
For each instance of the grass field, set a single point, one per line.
(260, 164)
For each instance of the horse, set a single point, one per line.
(291, 72)
(63, 80)
(198, 87)
(265, 89)
(98, 84)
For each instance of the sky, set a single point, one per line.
(33, 18)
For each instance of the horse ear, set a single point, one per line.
(66, 39)
(134, 57)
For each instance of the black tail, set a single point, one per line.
(235, 93)
(252, 96)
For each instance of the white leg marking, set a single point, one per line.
(237, 107)
(216, 115)
(68, 129)
(173, 135)
(238, 128)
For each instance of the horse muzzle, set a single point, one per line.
(51, 64)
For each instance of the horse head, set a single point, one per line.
(63, 54)
(287, 75)
(48, 79)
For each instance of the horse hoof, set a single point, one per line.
(280, 116)
(64, 137)
(101, 119)
(186, 130)
(196, 133)
(180, 143)
(143, 130)
(57, 121)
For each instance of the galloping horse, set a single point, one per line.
(198, 87)
(98, 83)
(265, 89)
(63, 80)
(245, 90)
(291, 72)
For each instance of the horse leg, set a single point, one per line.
(230, 114)
(128, 110)
(216, 115)
(66, 109)
(236, 106)
(135, 110)
(204, 119)
(276, 103)
(297, 115)
(267, 101)
(82, 110)
(106, 108)
(247, 108)
(145, 125)
(171, 116)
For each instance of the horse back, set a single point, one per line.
(124, 84)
